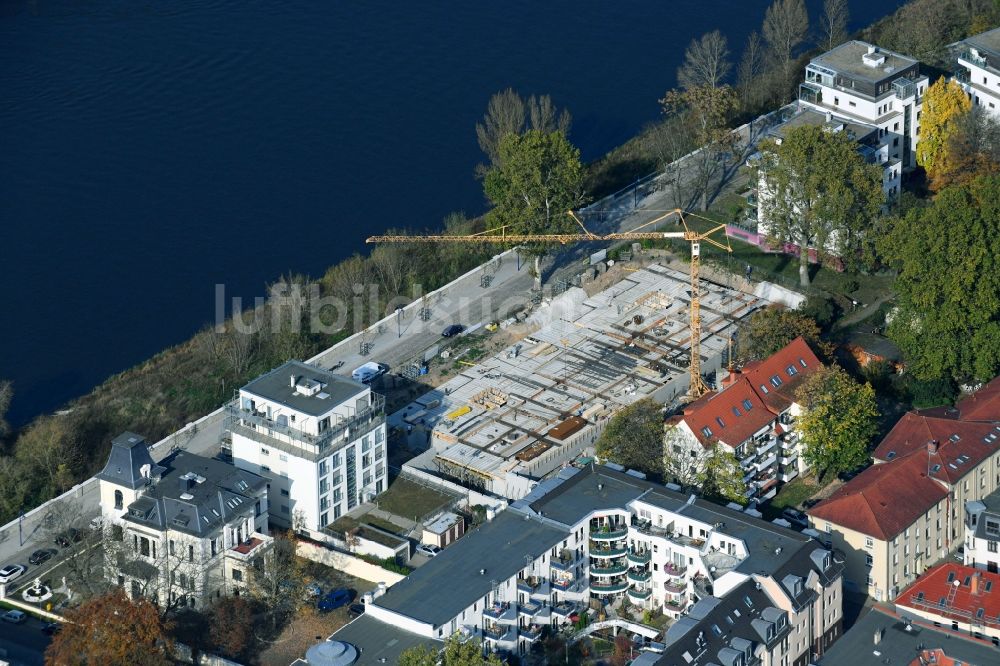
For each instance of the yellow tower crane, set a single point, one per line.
(505, 235)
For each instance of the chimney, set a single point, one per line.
(932, 447)
(878, 635)
(872, 49)
(829, 117)
(292, 382)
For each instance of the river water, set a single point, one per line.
(150, 150)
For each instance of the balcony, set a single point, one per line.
(972, 58)
(675, 605)
(639, 556)
(810, 93)
(646, 527)
(767, 462)
(252, 547)
(638, 576)
(530, 608)
(500, 633)
(639, 596)
(767, 448)
(675, 571)
(614, 587)
(258, 427)
(607, 552)
(563, 584)
(500, 612)
(609, 535)
(533, 586)
(612, 570)
(565, 609)
(564, 563)
(675, 588)
(532, 633)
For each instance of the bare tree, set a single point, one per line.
(504, 115)
(833, 23)
(545, 117)
(238, 350)
(277, 579)
(6, 394)
(392, 264)
(671, 140)
(750, 69)
(706, 62)
(786, 24)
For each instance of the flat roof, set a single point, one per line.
(467, 571)
(847, 59)
(593, 355)
(810, 117)
(378, 642)
(986, 41)
(276, 386)
(900, 645)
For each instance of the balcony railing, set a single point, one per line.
(532, 585)
(282, 437)
(529, 608)
(639, 556)
(608, 588)
(499, 612)
(675, 588)
(638, 576)
(504, 633)
(532, 633)
(252, 547)
(564, 564)
(565, 609)
(607, 552)
(609, 535)
(674, 570)
(640, 595)
(968, 56)
(608, 570)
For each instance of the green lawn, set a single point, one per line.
(792, 494)
(411, 500)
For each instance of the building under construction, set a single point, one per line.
(505, 423)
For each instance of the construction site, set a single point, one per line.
(501, 425)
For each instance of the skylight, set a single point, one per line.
(791, 371)
(737, 412)
(802, 362)
(890, 455)
(955, 437)
(776, 381)
(747, 405)
(718, 419)
(764, 389)
(706, 431)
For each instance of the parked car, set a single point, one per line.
(335, 599)
(796, 518)
(452, 330)
(10, 572)
(356, 610)
(960, 554)
(428, 550)
(369, 372)
(15, 616)
(51, 628)
(40, 556)
(68, 536)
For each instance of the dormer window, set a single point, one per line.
(747, 405)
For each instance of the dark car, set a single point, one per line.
(51, 628)
(796, 518)
(356, 610)
(40, 556)
(454, 329)
(335, 599)
(847, 476)
(67, 537)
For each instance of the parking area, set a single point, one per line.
(23, 643)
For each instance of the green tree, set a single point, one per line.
(6, 395)
(944, 103)
(721, 476)
(947, 320)
(538, 179)
(972, 150)
(770, 329)
(455, 652)
(634, 438)
(705, 112)
(509, 113)
(819, 193)
(838, 420)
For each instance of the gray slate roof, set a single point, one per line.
(899, 646)
(376, 640)
(196, 495)
(451, 582)
(129, 454)
(276, 386)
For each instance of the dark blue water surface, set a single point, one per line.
(149, 150)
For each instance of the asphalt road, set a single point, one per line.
(23, 644)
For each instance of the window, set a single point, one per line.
(237, 575)
(336, 512)
(284, 492)
(763, 389)
(190, 553)
(170, 547)
(991, 546)
(282, 457)
(324, 486)
(324, 503)
(718, 419)
(747, 405)
(184, 580)
(335, 460)
(791, 371)
(851, 103)
(323, 519)
(776, 381)
(323, 468)
(869, 542)
(144, 547)
(264, 451)
(118, 499)
(215, 545)
(836, 101)
(336, 495)
(706, 431)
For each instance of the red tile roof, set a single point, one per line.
(983, 405)
(796, 354)
(883, 500)
(934, 585)
(752, 386)
(960, 445)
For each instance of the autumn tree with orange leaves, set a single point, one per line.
(111, 630)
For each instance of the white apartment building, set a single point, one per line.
(982, 533)
(978, 68)
(319, 439)
(182, 532)
(864, 83)
(601, 535)
(752, 416)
